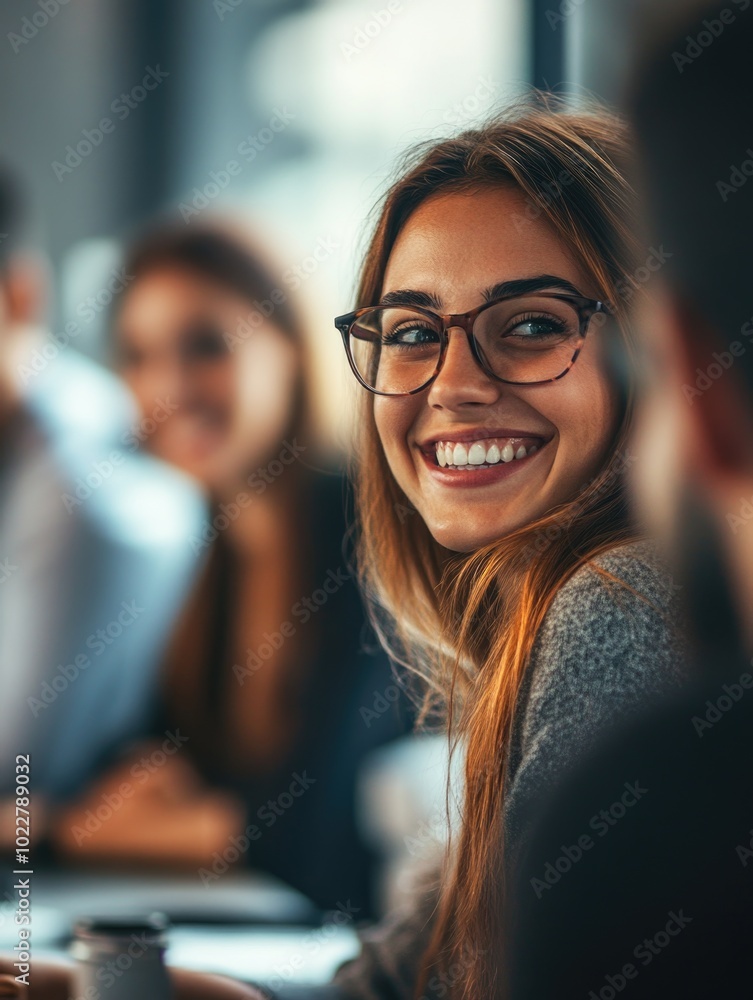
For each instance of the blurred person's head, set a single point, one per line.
(463, 550)
(21, 284)
(212, 349)
(690, 103)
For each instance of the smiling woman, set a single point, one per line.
(491, 391)
(521, 592)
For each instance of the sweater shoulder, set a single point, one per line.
(630, 577)
(609, 645)
(615, 622)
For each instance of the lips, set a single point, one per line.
(482, 434)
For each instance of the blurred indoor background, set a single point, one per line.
(289, 116)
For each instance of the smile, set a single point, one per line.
(485, 453)
(471, 460)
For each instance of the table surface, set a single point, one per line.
(245, 925)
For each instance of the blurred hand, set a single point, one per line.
(48, 980)
(149, 808)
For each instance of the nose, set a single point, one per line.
(462, 381)
(167, 376)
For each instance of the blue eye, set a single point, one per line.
(537, 326)
(410, 335)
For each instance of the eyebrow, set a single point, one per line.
(516, 286)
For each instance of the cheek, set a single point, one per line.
(587, 416)
(583, 408)
(217, 382)
(394, 419)
(143, 388)
(263, 388)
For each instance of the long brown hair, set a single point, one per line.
(467, 623)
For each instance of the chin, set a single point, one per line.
(468, 539)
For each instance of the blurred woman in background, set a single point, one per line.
(267, 673)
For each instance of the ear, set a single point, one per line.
(713, 384)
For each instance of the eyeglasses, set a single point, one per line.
(521, 340)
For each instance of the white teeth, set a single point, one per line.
(477, 453)
(460, 455)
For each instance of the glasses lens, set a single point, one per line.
(528, 339)
(395, 349)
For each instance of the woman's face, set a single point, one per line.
(454, 248)
(218, 390)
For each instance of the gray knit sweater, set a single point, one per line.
(606, 646)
